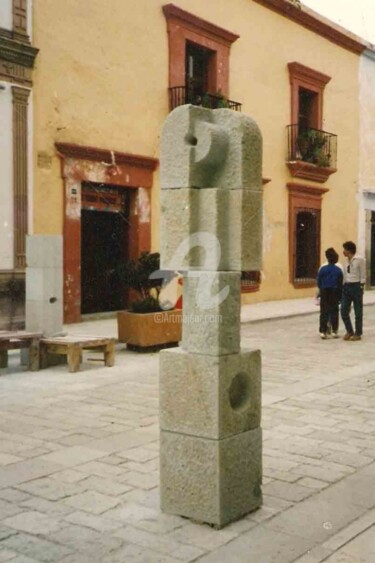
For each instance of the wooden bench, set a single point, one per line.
(17, 339)
(72, 346)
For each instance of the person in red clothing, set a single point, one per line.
(329, 280)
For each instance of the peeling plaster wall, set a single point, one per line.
(102, 79)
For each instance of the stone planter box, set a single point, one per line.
(149, 329)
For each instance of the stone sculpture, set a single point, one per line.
(210, 389)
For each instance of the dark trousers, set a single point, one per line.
(352, 293)
(329, 309)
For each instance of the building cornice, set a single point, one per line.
(306, 74)
(316, 23)
(17, 53)
(70, 150)
(369, 53)
(306, 189)
(187, 19)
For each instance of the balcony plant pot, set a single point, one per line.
(146, 324)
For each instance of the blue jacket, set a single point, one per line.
(330, 276)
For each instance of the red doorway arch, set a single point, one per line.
(89, 164)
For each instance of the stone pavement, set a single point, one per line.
(79, 455)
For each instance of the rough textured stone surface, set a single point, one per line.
(245, 234)
(211, 397)
(211, 325)
(205, 148)
(213, 481)
(211, 204)
(192, 147)
(232, 218)
(188, 216)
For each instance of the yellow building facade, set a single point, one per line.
(107, 75)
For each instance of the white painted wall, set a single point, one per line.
(367, 123)
(30, 165)
(6, 16)
(29, 18)
(367, 143)
(6, 177)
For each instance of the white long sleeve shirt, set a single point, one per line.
(355, 270)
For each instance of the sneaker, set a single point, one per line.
(323, 335)
(355, 337)
(348, 336)
(335, 335)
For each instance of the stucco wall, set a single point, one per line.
(102, 79)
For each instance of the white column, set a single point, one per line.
(29, 18)
(30, 166)
(6, 14)
(6, 174)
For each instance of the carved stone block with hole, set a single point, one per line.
(211, 397)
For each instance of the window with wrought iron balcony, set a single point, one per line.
(196, 90)
(312, 153)
(180, 95)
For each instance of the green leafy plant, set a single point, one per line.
(221, 100)
(205, 100)
(212, 101)
(323, 159)
(136, 275)
(311, 145)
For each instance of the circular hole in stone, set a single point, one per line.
(191, 139)
(239, 392)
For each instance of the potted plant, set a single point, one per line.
(146, 324)
(311, 144)
(221, 100)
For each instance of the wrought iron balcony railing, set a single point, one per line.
(179, 95)
(312, 145)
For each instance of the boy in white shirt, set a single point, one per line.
(354, 283)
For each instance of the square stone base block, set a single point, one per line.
(211, 481)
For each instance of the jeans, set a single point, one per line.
(352, 293)
(329, 309)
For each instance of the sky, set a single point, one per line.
(357, 16)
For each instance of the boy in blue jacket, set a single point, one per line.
(330, 278)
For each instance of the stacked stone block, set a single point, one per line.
(210, 389)
(44, 284)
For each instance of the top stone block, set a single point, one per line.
(204, 148)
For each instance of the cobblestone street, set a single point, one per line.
(79, 459)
